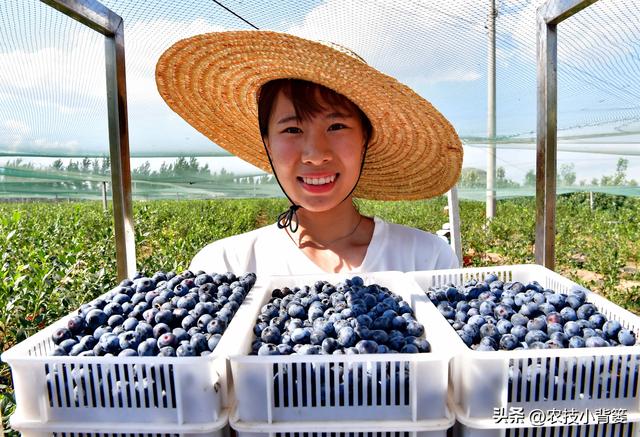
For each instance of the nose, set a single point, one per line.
(316, 148)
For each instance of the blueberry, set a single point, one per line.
(147, 348)
(198, 342)
(271, 334)
(181, 334)
(504, 326)
(576, 342)
(490, 330)
(626, 337)
(611, 328)
(76, 325)
(519, 319)
(509, 342)
(95, 318)
(303, 335)
(88, 341)
(100, 331)
(268, 349)
(466, 338)
(202, 322)
(129, 340)
(486, 308)
(447, 311)
(422, 344)
(329, 345)
(284, 349)
(529, 309)
(167, 351)
(409, 349)
(346, 336)
(144, 284)
(110, 343)
(61, 334)
(185, 350)
(112, 308)
(216, 326)
(559, 337)
(115, 320)
(187, 302)
(317, 337)
(535, 335)
(213, 341)
(596, 341)
(572, 329)
(367, 347)
(554, 327)
(538, 324)
(586, 310)
(160, 329)
(478, 321)
(166, 339)
(77, 349)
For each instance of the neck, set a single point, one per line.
(327, 226)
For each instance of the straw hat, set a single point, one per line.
(212, 81)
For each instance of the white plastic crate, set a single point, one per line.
(136, 391)
(337, 429)
(294, 388)
(601, 430)
(585, 379)
(216, 429)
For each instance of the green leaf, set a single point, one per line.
(11, 234)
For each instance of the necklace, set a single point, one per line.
(332, 241)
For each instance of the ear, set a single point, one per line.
(265, 140)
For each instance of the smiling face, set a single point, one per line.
(317, 157)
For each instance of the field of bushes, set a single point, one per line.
(55, 256)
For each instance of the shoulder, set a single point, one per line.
(429, 250)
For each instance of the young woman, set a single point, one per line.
(329, 127)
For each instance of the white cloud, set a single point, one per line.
(604, 30)
(407, 41)
(13, 132)
(145, 41)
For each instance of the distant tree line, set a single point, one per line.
(566, 177)
(183, 169)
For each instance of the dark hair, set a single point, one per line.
(305, 101)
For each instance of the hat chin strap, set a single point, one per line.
(289, 218)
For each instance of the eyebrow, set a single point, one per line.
(335, 114)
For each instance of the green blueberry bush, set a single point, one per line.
(55, 256)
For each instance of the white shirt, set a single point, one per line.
(270, 251)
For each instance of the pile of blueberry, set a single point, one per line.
(493, 315)
(165, 315)
(345, 318)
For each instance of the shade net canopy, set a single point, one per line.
(53, 110)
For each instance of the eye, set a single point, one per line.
(292, 130)
(337, 126)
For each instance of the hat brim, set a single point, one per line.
(212, 81)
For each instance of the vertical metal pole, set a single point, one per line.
(104, 195)
(119, 151)
(546, 143)
(491, 113)
(454, 220)
(591, 200)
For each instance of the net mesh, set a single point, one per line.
(53, 90)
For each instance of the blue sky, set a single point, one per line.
(52, 92)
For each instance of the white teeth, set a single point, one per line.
(319, 181)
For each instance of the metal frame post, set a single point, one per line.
(549, 15)
(99, 18)
(454, 222)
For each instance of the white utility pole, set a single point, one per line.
(491, 113)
